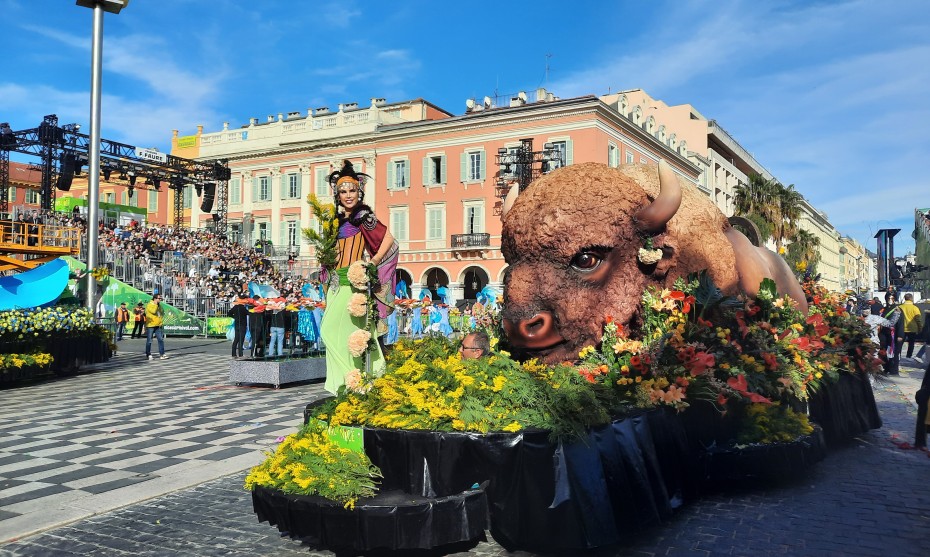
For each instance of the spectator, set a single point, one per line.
(122, 317)
(913, 323)
(154, 321)
(139, 319)
(475, 345)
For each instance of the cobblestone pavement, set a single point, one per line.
(867, 498)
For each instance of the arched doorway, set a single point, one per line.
(473, 280)
(435, 278)
(403, 275)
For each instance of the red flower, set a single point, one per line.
(753, 309)
(738, 383)
(700, 362)
(610, 318)
(770, 361)
(704, 322)
(820, 327)
(722, 399)
(635, 361)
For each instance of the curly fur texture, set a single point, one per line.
(554, 307)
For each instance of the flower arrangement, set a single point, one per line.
(358, 305)
(358, 275)
(772, 423)
(358, 342)
(21, 324)
(428, 386)
(19, 361)
(309, 463)
(648, 254)
(100, 274)
(325, 240)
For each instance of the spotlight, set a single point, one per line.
(106, 173)
(209, 191)
(132, 178)
(216, 218)
(130, 191)
(7, 138)
(198, 187)
(156, 183)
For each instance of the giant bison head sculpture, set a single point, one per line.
(572, 241)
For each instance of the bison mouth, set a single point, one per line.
(554, 354)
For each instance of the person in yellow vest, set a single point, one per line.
(913, 323)
(122, 317)
(154, 319)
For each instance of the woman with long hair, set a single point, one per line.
(361, 236)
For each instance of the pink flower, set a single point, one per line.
(354, 379)
(358, 305)
(358, 275)
(358, 342)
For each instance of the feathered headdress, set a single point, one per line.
(347, 174)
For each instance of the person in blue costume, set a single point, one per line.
(416, 320)
(393, 331)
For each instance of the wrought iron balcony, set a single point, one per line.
(460, 241)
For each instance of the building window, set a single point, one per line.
(32, 197)
(153, 201)
(613, 155)
(434, 170)
(322, 188)
(562, 154)
(474, 217)
(235, 191)
(398, 174)
(108, 197)
(188, 197)
(294, 185)
(263, 231)
(292, 233)
(12, 194)
(630, 156)
(435, 226)
(400, 225)
(122, 197)
(264, 188)
(473, 166)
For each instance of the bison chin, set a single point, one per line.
(541, 337)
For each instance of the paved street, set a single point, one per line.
(866, 498)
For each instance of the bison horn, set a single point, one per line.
(654, 217)
(509, 199)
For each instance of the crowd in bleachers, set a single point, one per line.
(194, 265)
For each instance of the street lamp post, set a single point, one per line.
(93, 163)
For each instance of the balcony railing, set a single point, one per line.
(471, 241)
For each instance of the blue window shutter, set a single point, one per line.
(442, 170)
(484, 162)
(568, 152)
(463, 167)
(390, 175)
(407, 174)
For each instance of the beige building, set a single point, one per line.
(855, 266)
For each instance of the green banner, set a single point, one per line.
(217, 326)
(351, 438)
(113, 292)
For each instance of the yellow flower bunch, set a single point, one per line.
(310, 463)
(324, 241)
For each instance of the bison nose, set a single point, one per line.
(534, 333)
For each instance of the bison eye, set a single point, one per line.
(586, 261)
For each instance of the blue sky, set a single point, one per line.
(833, 97)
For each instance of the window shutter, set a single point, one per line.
(427, 178)
(568, 152)
(282, 234)
(407, 174)
(300, 185)
(284, 186)
(442, 170)
(484, 162)
(479, 219)
(390, 175)
(254, 189)
(463, 167)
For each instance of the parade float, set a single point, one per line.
(666, 355)
(36, 335)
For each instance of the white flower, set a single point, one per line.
(649, 256)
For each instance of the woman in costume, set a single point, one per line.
(360, 235)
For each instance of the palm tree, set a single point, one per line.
(758, 197)
(785, 224)
(805, 248)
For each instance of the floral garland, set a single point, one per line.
(309, 463)
(363, 278)
(100, 274)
